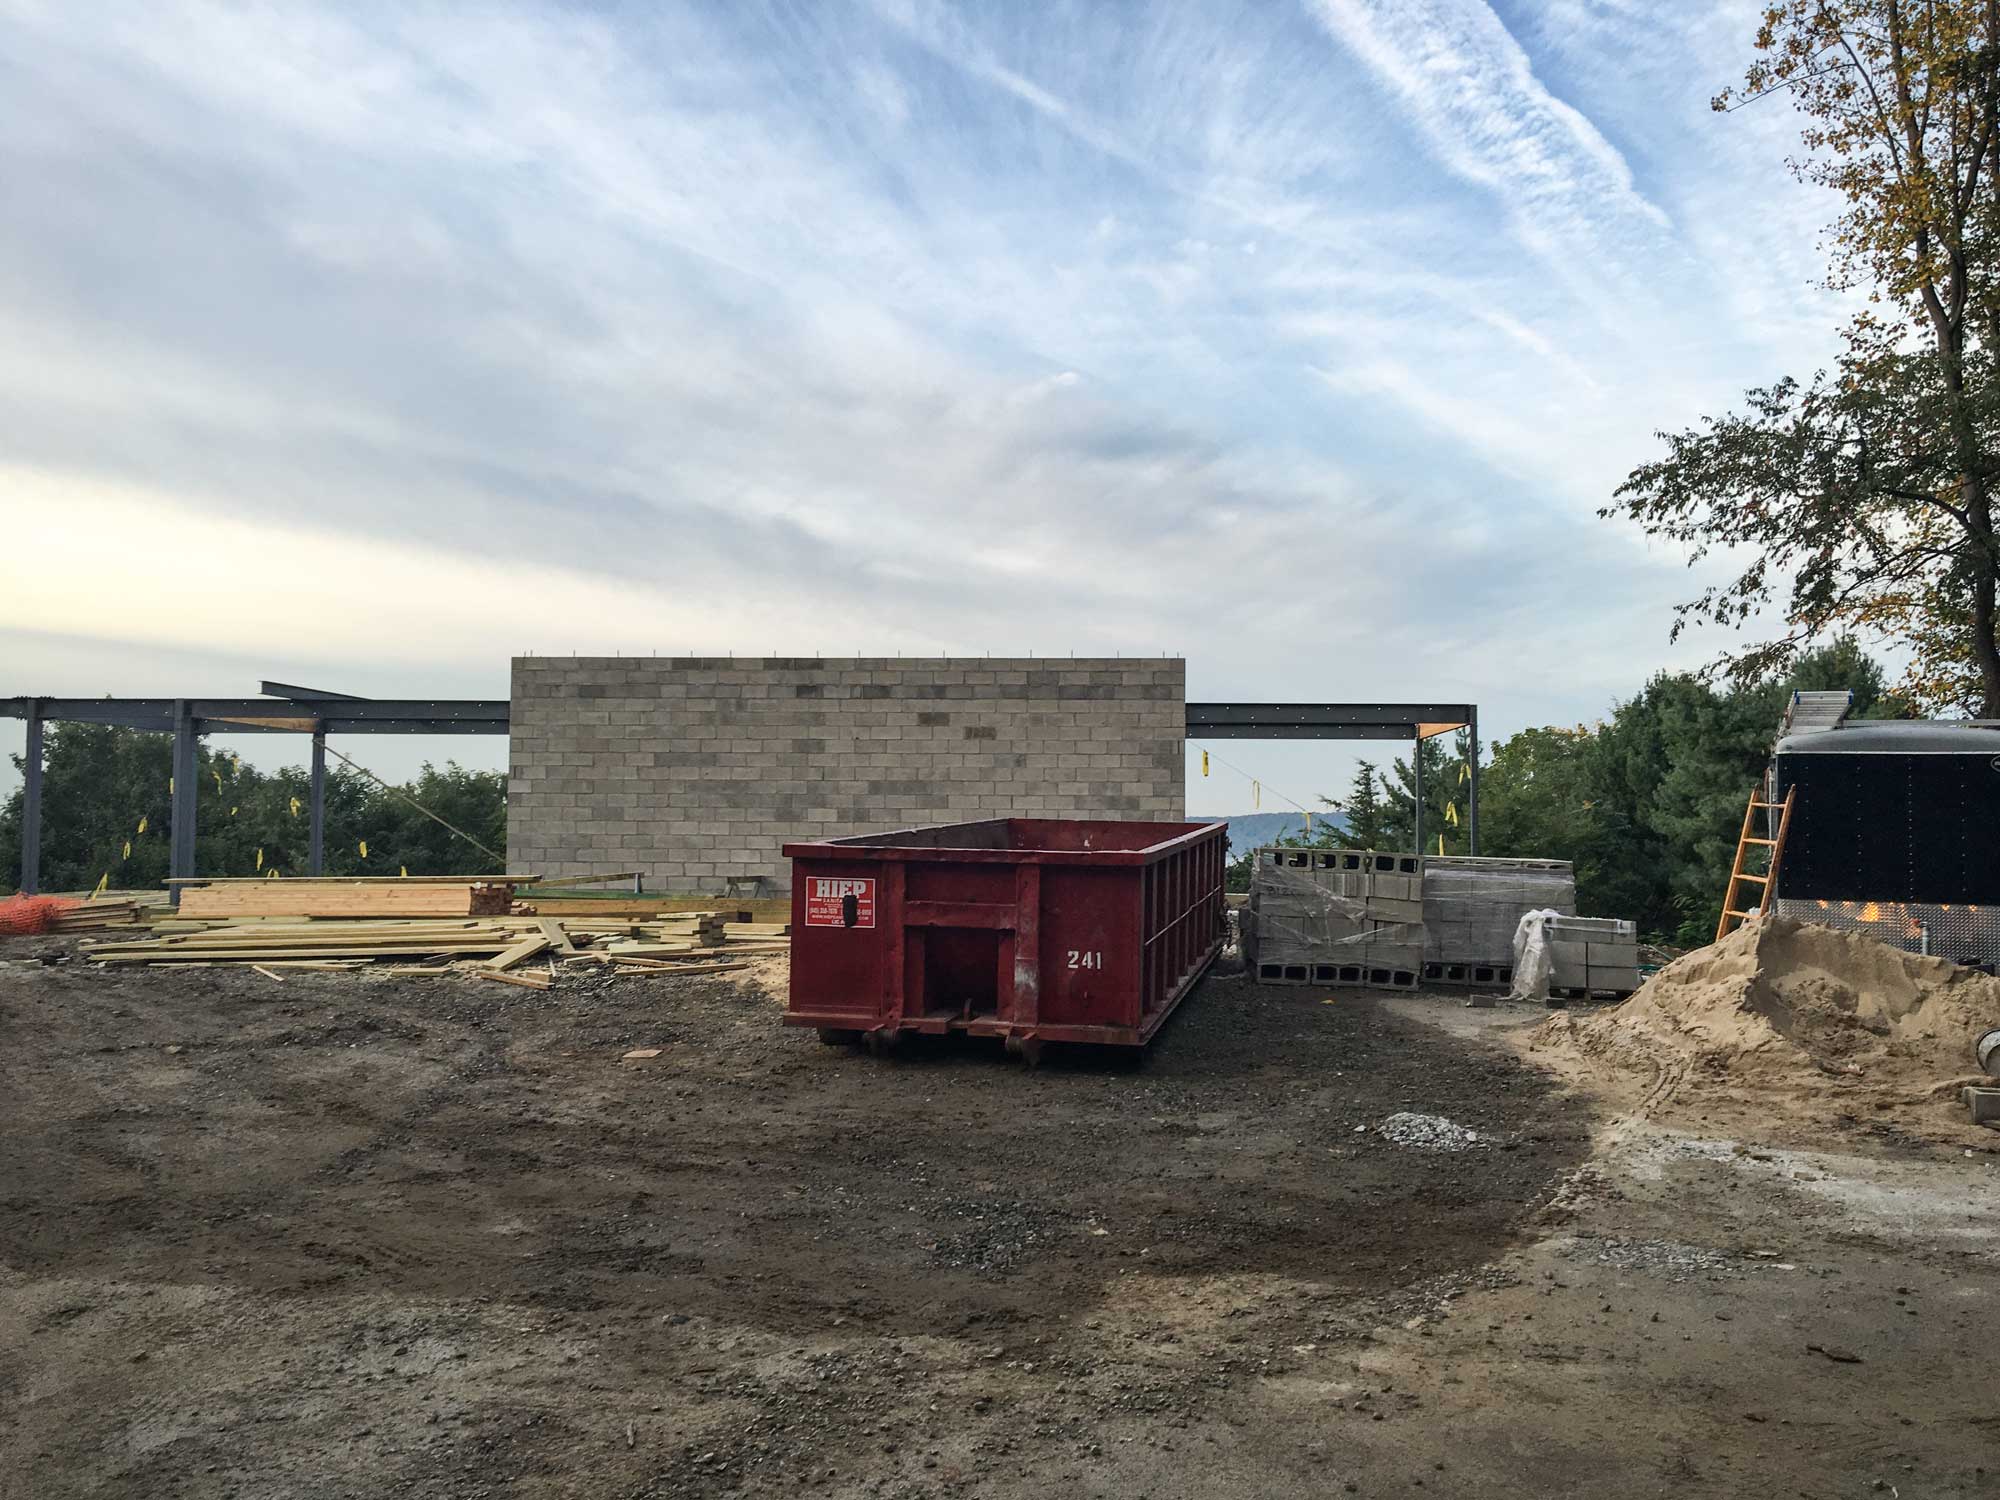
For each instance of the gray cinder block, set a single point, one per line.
(754, 751)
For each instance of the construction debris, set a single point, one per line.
(365, 924)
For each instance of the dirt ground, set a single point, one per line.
(354, 1237)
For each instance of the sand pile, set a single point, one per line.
(1831, 1021)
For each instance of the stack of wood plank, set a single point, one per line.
(701, 927)
(519, 950)
(311, 897)
(96, 916)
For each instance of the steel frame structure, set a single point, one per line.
(285, 709)
(288, 709)
(1415, 722)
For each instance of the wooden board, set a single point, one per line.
(733, 908)
(265, 955)
(525, 981)
(520, 952)
(299, 898)
(666, 971)
(354, 879)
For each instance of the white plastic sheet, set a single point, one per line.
(1534, 960)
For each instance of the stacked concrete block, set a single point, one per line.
(1335, 917)
(1593, 956)
(694, 770)
(1472, 906)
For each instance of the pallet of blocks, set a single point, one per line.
(1335, 917)
(1472, 907)
(1592, 956)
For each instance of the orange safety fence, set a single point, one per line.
(23, 916)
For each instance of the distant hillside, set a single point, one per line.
(1252, 830)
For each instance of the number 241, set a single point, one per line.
(1082, 960)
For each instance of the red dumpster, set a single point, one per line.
(1033, 930)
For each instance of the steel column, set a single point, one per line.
(1417, 784)
(316, 850)
(186, 788)
(1472, 798)
(31, 805)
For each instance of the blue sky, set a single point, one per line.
(368, 345)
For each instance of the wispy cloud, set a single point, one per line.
(1466, 85)
(1225, 329)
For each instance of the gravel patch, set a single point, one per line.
(1428, 1132)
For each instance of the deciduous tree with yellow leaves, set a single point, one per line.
(1865, 494)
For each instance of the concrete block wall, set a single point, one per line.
(694, 769)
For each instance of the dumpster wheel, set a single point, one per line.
(1027, 1048)
(837, 1036)
(881, 1043)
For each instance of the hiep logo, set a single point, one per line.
(837, 901)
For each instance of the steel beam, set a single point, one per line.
(316, 850)
(186, 791)
(287, 690)
(31, 806)
(1417, 785)
(1472, 799)
(349, 716)
(1324, 721)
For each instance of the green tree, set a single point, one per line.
(1445, 798)
(1717, 746)
(106, 814)
(1364, 810)
(1536, 795)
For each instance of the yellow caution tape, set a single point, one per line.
(232, 812)
(170, 786)
(142, 823)
(103, 885)
(295, 807)
(128, 850)
(272, 873)
(260, 859)
(1204, 762)
(404, 871)
(218, 778)
(1440, 844)
(1451, 813)
(364, 848)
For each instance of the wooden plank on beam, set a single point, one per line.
(525, 981)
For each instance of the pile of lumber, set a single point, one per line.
(95, 916)
(423, 896)
(510, 949)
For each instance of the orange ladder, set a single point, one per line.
(1732, 914)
